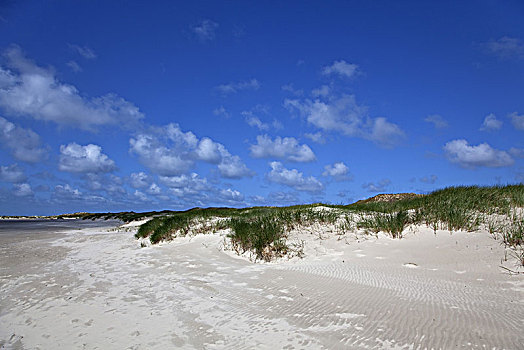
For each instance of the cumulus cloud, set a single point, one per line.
(139, 180)
(168, 151)
(75, 158)
(505, 48)
(437, 121)
(24, 144)
(380, 186)
(322, 91)
(254, 121)
(344, 115)
(235, 87)
(141, 196)
(108, 183)
(491, 123)
(205, 30)
(516, 152)
(316, 137)
(29, 90)
(154, 189)
(338, 171)
(276, 198)
(431, 179)
(232, 167)
(483, 155)
(221, 112)
(187, 184)
(231, 196)
(341, 68)
(517, 120)
(293, 178)
(290, 88)
(23, 190)
(286, 148)
(12, 173)
(192, 190)
(67, 192)
(75, 67)
(83, 51)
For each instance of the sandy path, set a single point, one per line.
(90, 290)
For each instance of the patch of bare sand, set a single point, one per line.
(100, 290)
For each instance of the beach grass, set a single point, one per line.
(264, 230)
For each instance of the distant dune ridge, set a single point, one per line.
(389, 197)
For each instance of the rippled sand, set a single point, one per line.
(94, 289)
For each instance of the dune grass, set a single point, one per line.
(264, 230)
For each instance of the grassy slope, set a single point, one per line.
(264, 230)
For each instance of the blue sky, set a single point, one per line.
(123, 105)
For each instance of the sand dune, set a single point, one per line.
(94, 289)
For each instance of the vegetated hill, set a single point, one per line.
(389, 197)
(265, 230)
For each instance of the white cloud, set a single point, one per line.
(232, 167)
(341, 68)
(12, 173)
(84, 159)
(254, 121)
(103, 182)
(316, 137)
(190, 190)
(431, 179)
(23, 143)
(517, 120)
(385, 133)
(206, 30)
(29, 90)
(139, 180)
(141, 196)
(231, 196)
(170, 159)
(168, 151)
(380, 186)
(229, 166)
(290, 88)
(338, 171)
(221, 112)
(491, 123)
(461, 153)
(210, 151)
(154, 189)
(322, 91)
(293, 178)
(75, 67)
(344, 115)
(67, 192)
(505, 47)
(437, 121)
(23, 190)
(190, 183)
(231, 88)
(282, 197)
(83, 51)
(516, 152)
(286, 148)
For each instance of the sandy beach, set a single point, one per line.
(96, 288)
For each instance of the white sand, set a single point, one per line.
(99, 290)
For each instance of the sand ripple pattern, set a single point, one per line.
(101, 291)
